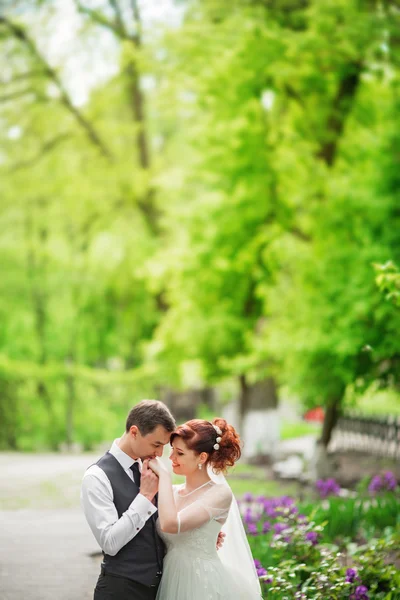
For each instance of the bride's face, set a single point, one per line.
(184, 460)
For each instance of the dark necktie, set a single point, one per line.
(136, 473)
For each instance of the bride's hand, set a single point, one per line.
(157, 466)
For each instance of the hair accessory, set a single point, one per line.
(219, 433)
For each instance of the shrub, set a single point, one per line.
(296, 558)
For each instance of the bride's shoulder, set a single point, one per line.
(221, 490)
(223, 487)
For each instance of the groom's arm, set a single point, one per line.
(112, 533)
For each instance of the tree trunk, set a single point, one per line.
(36, 272)
(331, 416)
(244, 400)
(263, 395)
(70, 406)
(8, 415)
(146, 202)
(340, 110)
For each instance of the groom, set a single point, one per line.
(119, 502)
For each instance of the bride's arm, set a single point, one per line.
(214, 503)
(167, 512)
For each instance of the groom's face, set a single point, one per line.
(150, 445)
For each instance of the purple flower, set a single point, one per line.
(261, 571)
(248, 516)
(286, 501)
(271, 512)
(266, 578)
(248, 497)
(287, 539)
(275, 507)
(351, 575)
(361, 593)
(389, 480)
(385, 482)
(327, 487)
(312, 536)
(302, 519)
(266, 527)
(252, 529)
(375, 484)
(279, 527)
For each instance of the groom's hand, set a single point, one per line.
(148, 482)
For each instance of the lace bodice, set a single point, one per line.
(193, 568)
(201, 515)
(201, 541)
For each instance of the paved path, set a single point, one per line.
(45, 555)
(45, 543)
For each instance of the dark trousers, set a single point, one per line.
(110, 587)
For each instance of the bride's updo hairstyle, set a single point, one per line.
(200, 436)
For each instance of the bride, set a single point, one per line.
(192, 514)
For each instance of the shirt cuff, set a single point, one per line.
(143, 507)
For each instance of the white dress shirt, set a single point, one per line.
(111, 532)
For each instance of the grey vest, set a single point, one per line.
(141, 558)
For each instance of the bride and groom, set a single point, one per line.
(161, 541)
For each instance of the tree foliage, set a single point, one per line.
(213, 210)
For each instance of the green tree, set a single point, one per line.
(265, 128)
(78, 193)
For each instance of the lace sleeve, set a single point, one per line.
(214, 504)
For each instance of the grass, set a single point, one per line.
(267, 488)
(379, 402)
(251, 478)
(290, 430)
(245, 478)
(249, 471)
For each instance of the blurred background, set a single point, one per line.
(199, 203)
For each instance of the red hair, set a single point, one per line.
(200, 436)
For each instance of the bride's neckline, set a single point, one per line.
(195, 489)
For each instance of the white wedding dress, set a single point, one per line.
(193, 569)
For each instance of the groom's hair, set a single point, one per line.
(148, 414)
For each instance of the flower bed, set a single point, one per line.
(334, 548)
